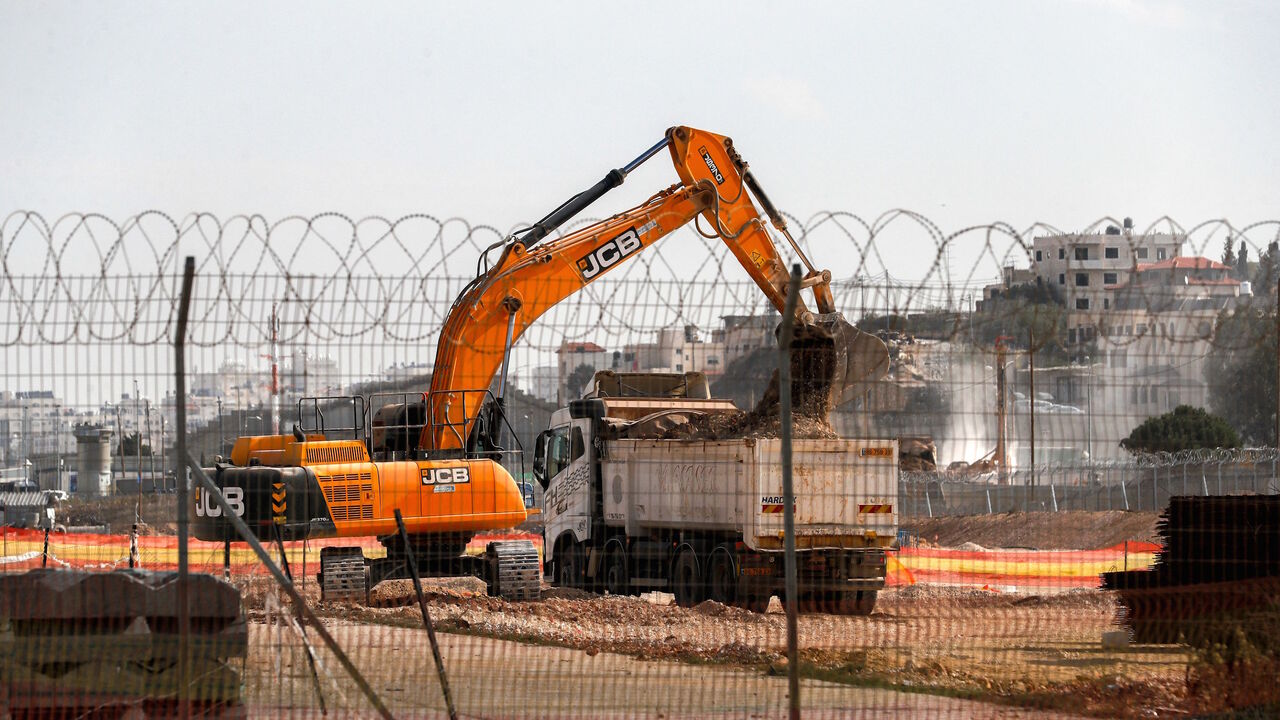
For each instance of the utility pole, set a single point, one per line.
(1278, 361)
(137, 434)
(1031, 375)
(151, 458)
(1002, 451)
(164, 456)
(221, 437)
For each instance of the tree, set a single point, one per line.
(1242, 262)
(1241, 372)
(1228, 252)
(1186, 428)
(1264, 276)
(578, 380)
(129, 445)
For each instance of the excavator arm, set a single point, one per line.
(533, 274)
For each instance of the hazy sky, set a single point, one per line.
(968, 112)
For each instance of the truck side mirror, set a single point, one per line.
(540, 458)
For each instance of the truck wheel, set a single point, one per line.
(567, 573)
(865, 602)
(722, 577)
(860, 602)
(756, 603)
(686, 579)
(616, 577)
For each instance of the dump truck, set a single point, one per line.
(627, 509)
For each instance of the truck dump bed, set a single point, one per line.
(845, 490)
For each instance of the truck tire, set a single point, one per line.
(859, 602)
(617, 581)
(864, 601)
(686, 579)
(568, 566)
(722, 577)
(756, 603)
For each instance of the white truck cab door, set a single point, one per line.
(566, 504)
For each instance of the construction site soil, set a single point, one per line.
(1027, 650)
(1074, 530)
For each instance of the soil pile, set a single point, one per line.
(1074, 530)
(814, 365)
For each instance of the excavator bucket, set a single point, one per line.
(833, 362)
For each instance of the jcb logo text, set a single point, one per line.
(446, 476)
(208, 507)
(608, 254)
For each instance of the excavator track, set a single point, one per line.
(514, 572)
(343, 574)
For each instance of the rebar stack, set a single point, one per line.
(1220, 565)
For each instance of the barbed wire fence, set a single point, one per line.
(989, 356)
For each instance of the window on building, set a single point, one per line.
(1112, 253)
(713, 361)
(1160, 254)
(1082, 253)
(1142, 394)
(1142, 253)
(1082, 303)
(1062, 278)
(1109, 278)
(1071, 336)
(1141, 329)
(1082, 280)
(679, 367)
(1062, 253)
(1106, 303)
(1038, 258)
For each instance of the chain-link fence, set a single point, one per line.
(651, 514)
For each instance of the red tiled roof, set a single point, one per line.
(1184, 263)
(580, 347)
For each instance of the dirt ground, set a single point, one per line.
(492, 678)
(1076, 530)
(1024, 651)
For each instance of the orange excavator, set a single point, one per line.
(437, 456)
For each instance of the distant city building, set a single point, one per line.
(541, 382)
(1087, 268)
(570, 356)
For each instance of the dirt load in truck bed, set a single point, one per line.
(813, 369)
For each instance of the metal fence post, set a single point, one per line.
(788, 512)
(180, 408)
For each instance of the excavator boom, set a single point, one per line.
(534, 273)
